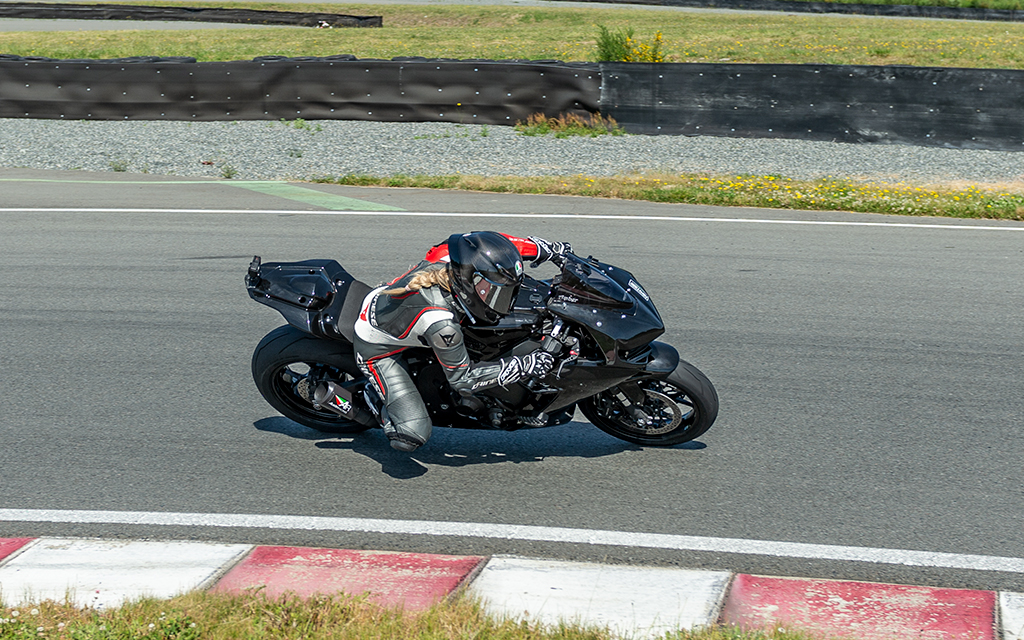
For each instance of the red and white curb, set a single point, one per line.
(633, 601)
(1011, 611)
(412, 580)
(95, 573)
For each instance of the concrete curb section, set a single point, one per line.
(632, 601)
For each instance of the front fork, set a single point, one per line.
(632, 398)
(663, 361)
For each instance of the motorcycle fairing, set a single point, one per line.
(585, 378)
(609, 302)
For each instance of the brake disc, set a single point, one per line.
(304, 389)
(664, 412)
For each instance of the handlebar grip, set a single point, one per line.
(551, 345)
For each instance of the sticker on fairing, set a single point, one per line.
(636, 287)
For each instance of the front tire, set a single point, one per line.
(286, 365)
(675, 409)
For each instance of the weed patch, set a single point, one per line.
(302, 125)
(460, 132)
(623, 46)
(569, 124)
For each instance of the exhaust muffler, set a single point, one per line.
(338, 399)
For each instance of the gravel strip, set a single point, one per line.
(265, 150)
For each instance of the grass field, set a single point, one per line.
(502, 32)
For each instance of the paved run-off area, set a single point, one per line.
(631, 600)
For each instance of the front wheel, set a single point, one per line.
(289, 363)
(658, 412)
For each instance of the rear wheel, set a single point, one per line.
(659, 412)
(289, 363)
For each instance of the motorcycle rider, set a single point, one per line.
(471, 277)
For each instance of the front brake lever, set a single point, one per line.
(573, 345)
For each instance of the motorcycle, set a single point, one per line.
(597, 321)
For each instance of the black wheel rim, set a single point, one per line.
(668, 409)
(289, 381)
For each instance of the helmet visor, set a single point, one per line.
(496, 295)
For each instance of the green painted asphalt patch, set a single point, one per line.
(316, 198)
(284, 190)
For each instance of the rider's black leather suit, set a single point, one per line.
(390, 324)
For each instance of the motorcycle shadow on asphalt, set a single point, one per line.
(464, 447)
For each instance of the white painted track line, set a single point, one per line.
(106, 573)
(1011, 614)
(527, 532)
(538, 216)
(642, 601)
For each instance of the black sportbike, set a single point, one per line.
(596, 320)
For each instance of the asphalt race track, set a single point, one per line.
(869, 370)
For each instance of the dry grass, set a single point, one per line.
(570, 124)
(775, 192)
(200, 615)
(205, 616)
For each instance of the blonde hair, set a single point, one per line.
(424, 279)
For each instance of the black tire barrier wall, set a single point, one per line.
(796, 6)
(962, 108)
(959, 108)
(46, 11)
(340, 87)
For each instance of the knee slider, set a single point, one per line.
(403, 443)
(409, 436)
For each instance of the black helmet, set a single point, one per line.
(486, 271)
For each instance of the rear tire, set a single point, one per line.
(283, 364)
(682, 406)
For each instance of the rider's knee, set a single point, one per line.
(409, 436)
(409, 423)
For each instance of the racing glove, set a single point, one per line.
(533, 365)
(547, 249)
